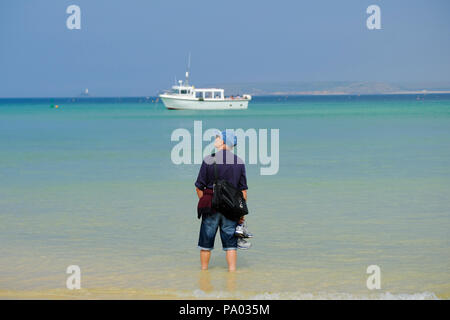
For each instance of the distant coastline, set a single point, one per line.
(332, 93)
(335, 88)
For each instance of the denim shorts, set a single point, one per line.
(208, 230)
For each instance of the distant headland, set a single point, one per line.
(334, 88)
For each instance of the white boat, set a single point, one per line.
(186, 97)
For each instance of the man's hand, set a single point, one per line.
(244, 194)
(199, 192)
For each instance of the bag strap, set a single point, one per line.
(215, 168)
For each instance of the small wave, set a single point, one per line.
(199, 294)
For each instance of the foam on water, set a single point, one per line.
(199, 294)
(122, 293)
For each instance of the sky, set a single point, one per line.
(138, 47)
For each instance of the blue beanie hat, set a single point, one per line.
(229, 139)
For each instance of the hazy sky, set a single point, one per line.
(136, 48)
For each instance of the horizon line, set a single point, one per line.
(275, 94)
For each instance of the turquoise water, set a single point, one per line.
(362, 181)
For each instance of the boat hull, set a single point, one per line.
(194, 104)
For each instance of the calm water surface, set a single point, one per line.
(362, 181)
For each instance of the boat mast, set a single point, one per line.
(186, 83)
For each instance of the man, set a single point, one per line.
(231, 168)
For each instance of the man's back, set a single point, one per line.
(229, 167)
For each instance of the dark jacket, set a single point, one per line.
(229, 167)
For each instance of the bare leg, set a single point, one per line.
(204, 258)
(231, 259)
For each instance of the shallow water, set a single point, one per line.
(362, 181)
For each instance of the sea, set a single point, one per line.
(363, 182)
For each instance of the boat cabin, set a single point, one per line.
(190, 91)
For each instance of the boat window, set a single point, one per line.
(217, 95)
(183, 91)
(198, 94)
(208, 95)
